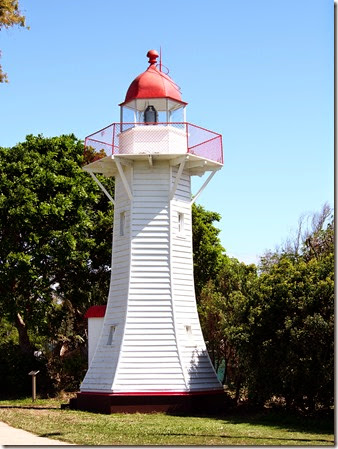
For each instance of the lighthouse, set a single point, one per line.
(150, 354)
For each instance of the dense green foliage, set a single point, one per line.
(273, 327)
(207, 249)
(55, 247)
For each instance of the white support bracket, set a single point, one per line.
(124, 179)
(102, 187)
(194, 164)
(203, 187)
(178, 177)
(178, 160)
(124, 161)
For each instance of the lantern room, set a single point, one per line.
(153, 126)
(153, 97)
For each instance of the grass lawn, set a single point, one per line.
(45, 418)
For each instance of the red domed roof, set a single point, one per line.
(153, 83)
(96, 312)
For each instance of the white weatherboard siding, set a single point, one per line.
(199, 372)
(101, 372)
(149, 341)
(157, 344)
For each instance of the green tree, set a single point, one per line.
(223, 309)
(288, 351)
(211, 315)
(320, 240)
(273, 328)
(10, 15)
(55, 241)
(207, 249)
(290, 346)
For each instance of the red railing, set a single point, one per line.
(114, 138)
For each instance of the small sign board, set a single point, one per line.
(33, 373)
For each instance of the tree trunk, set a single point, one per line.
(225, 371)
(238, 390)
(24, 342)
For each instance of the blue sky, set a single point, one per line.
(258, 72)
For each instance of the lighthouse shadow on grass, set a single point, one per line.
(200, 401)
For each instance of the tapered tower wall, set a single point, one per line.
(157, 344)
(149, 355)
(102, 369)
(198, 369)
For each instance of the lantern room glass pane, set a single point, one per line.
(168, 110)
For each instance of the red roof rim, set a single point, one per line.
(152, 98)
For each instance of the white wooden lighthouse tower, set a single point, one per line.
(151, 354)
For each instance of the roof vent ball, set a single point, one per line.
(152, 55)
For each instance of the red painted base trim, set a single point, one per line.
(206, 402)
(153, 393)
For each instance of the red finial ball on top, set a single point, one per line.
(152, 55)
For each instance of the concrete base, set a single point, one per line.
(207, 402)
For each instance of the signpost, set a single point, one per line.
(33, 374)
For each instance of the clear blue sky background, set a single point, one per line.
(260, 72)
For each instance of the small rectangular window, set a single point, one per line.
(122, 223)
(180, 223)
(189, 336)
(111, 335)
